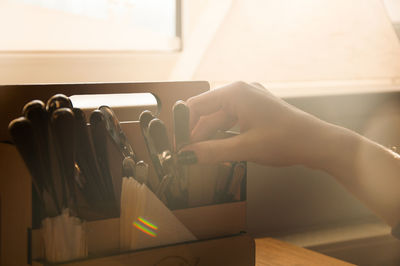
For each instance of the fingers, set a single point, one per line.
(203, 104)
(208, 125)
(211, 102)
(258, 86)
(221, 109)
(211, 151)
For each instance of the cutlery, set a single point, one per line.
(22, 133)
(62, 124)
(58, 101)
(145, 118)
(99, 136)
(35, 111)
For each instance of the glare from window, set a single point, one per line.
(89, 24)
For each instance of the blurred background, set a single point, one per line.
(337, 59)
(292, 46)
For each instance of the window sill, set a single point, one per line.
(327, 88)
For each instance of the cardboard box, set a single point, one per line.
(220, 228)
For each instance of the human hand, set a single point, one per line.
(272, 131)
(275, 133)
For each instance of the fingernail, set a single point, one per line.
(187, 157)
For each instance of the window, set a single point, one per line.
(393, 9)
(90, 25)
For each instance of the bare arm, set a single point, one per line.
(368, 170)
(276, 133)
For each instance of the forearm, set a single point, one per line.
(368, 170)
(276, 133)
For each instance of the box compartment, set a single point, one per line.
(220, 228)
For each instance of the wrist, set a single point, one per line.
(334, 149)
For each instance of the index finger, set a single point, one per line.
(207, 103)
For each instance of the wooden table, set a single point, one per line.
(270, 251)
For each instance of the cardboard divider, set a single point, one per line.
(214, 220)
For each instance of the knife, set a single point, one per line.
(159, 139)
(181, 124)
(181, 116)
(85, 158)
(99, 136)
(158, 135)
(145, 118)
(58, 101)
(62, 125)
(35, 111)
(22, 133)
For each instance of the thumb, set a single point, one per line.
(211, 151)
